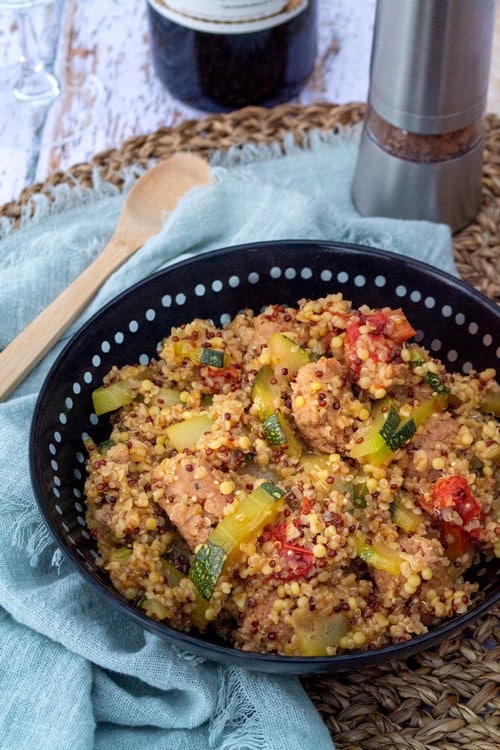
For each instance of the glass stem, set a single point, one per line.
(36, 84)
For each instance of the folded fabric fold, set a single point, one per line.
(74, 675)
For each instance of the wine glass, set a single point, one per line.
(39, 110)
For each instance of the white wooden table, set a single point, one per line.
(110, 39)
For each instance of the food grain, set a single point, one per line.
(302, 481)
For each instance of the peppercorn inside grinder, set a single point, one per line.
(421, 148)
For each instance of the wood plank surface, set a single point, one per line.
(109, 39)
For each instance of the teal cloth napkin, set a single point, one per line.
(74, 675)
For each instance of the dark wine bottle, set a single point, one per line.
(220, 55)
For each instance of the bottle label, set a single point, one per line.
(229, 16)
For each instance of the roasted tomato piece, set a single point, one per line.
(396, 325)
(295, 561)
(380, 333)
(454, 492)
(455, 541)
(217, 378)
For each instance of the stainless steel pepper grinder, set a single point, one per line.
(421, 149)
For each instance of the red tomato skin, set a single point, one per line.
(454, 540)
(388, 330)
(296, 561)
(454, 492)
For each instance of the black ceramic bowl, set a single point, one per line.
(455, 322)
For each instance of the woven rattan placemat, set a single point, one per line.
(477, 248)
(443, 699)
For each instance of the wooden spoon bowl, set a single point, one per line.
(154, 195)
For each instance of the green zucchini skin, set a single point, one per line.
(212, 357)
(207, 567)
(254, 512)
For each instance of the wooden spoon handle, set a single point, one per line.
(33, 343)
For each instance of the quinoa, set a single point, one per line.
(302, 481)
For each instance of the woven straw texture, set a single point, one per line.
(446, 698)
(477, 247)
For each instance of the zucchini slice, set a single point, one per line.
(168, 396)
(105, 446)
(379, 556)
(418, 358)
(490, 403)
(200, 355)
(287, 357)
(207, 567)
(434, 382)
(280, 434)
(212, 357)
(313, 634)
(112, 396)
(372, 438)
(254, 512)
(186, 434)
(319, 468)
(120, 554)
(404, 518)
(154, 609)
(266, 392)
(381, 453)
(174, 578)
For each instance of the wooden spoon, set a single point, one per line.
(155, 193)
